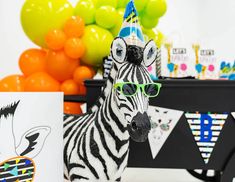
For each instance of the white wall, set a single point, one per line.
(217, 27)
(187, 21)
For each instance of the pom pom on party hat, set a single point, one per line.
(131, 30)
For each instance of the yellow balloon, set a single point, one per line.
(155, 35)
(116, 29)
(40, 16)
(97, 41)
(159, 39)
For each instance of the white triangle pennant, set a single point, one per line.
(206, 129)
(163, 122)
(233, 114)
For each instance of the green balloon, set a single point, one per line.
(112, 3)
(148, 22)
(97, 42)
(106, 16)
(40, 16)
(140, 5)
(86, 10)
(122, 3)
(116, 29)
(156, 8)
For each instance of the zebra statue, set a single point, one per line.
(96, 144)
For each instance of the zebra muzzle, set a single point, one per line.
(139, 127)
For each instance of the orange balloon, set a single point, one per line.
(74, 48)
(12, 83)
(70, 87)
(74, 27)
(60, 66)
(41, 82)
(72, 108)
(55, 39)
(82, 73)
(82, 89)
(32, 61)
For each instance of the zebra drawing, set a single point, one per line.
(31, 142)
(96, 144)
(29, 146)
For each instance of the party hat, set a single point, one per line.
(131, 30)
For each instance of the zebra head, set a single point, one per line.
(131, 83)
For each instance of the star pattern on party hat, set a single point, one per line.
(131, 30)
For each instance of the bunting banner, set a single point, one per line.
(206, 129)
(163, 122)
(233, 114)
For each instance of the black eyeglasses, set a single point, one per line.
(130, 89)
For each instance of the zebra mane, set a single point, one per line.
(8, 110)
(108, 85)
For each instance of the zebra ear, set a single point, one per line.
(150, 53)
(119, 49)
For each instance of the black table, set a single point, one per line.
(180, 150)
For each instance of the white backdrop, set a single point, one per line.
(210, 22)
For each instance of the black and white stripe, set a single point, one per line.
(206, 148)
(96, 144)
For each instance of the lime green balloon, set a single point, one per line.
(140, 5)
(97, 42)
(116, 29)
(112, 3)
(40, 16)
(149, 33)
(155, 35)
(86, 10)
(148, 22)
(156, 8)
(159, 39)
(106, 16)
(122, 3)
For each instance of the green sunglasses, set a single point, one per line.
(130, 89)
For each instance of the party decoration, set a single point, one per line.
(163, 122)
(86, 10)
(38, 17)
(70, 87)
(82, 73)
(115, 30)
(60, 66)
(12, 83)
(206, 129)
(122, 3)
(175, 61)
(156, 8)
(74, 27)
(114, 118)
(41, 82)
(17, 169)
(148, 22)
(233, 114)
(55, 39)
(93, 38)
(32, 61)
(140, 5)
(72, 108)
(112, 3)
(32, 133)
(205, 63)
(227, 71)
(106, 16)
(74, 48)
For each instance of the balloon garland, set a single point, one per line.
(73, 42)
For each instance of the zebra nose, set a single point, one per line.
(141, 122)
(139, 127)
